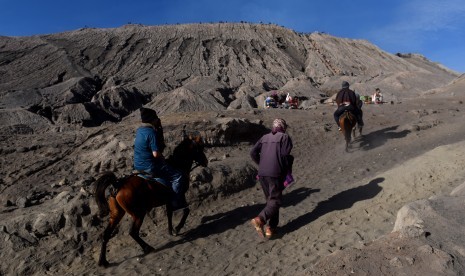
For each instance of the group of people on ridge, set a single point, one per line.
(279, 99)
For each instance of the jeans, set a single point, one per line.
(177, 181)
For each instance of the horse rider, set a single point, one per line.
(149, 159)
(347, 100)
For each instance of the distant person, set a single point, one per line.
(280, 98)
(270, 102)
(149, 159)
(292, 102)
(272, 154)
(347, 100)
(377, 96)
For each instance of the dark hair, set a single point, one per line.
(147, 115)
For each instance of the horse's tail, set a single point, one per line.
(102, 183)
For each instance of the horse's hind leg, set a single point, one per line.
(116, 214)
(348, 137)
(136, 225)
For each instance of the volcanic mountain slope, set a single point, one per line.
(89, 76)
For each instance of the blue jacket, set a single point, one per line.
(144, 144)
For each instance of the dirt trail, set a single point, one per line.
(340, 199)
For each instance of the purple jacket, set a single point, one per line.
(271, 154)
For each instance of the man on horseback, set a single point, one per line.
(149, 159)
(347, 100)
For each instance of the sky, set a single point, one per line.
(432, 28)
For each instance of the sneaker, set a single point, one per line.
(258, 224)
(289, 180)
(339, 128)
(269, 232)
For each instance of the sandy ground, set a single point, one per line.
(408, 151)
(340, 200)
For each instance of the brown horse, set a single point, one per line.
(347, 123)
(136, 196)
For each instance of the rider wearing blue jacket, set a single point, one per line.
(149, 159)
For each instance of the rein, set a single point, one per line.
(196, 165)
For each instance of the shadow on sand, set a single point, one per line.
(222, 222)
(378, 138)
(341, 201)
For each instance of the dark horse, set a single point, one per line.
(136, 196)
(347, 123)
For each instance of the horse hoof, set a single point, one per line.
(148, 250)
(177, 231)
(103, 263)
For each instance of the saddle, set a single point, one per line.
(150, 180)
(348, 115)
(149, 177)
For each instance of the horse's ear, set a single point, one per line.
(198, 139)
(184, 133)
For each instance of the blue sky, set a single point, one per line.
(433, 28)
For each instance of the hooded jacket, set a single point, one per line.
(271, 154)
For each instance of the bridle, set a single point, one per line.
(185, 136)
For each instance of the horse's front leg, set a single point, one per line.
(181, 223)
(169, 217)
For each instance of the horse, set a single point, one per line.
(347, 122)
(136, 196)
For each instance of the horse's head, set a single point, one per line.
(197, 147)
(190, 150)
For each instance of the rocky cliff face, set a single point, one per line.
(90, 76)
